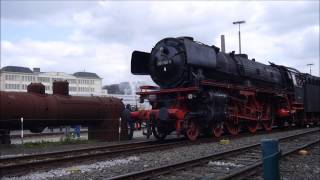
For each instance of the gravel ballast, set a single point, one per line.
(150, 159)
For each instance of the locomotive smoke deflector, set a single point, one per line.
(139, 63)
(200, 55)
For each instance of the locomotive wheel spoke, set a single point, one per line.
(159, 135)
(192, 130)
(252, 126)
(217, 130)
(267, 124)
(232, 126)
(154, 128)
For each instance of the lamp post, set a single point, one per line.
(239, 23)
(311, 64)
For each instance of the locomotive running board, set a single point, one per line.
(242, 88)
(164, 91)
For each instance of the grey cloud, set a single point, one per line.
(285, 17)
(127, 23)
(139, 25)
(35, 11)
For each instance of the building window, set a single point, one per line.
(12, 86)
(85, 89)
(24, 86)
(74, 89)
(85, 81)
(28, 78)
(72, 81)
(12, 77)
(43, 79)
(57, 79)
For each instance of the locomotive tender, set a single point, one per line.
(204, 90)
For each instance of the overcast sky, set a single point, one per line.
(100, 36)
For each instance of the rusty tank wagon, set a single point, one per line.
(40, 110)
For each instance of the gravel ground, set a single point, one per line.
(297, 166)
(147, 160)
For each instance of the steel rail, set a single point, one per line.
(148, 173)
(82, 152)
(4, 160)
(114, 146)
(252, 168)
(9, 164)
(79, 150)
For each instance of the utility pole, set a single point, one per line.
(239, 23)
(311, 64)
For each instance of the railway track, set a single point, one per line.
(235, 163)
(11, 165)
(20, 165)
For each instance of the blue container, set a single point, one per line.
(271, 155)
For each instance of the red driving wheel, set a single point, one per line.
(252, 125)
(192, 130)
(217, 130)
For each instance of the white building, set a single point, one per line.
(15, 78)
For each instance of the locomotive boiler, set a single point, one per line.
(40, 110)
(178, 62)
(204, 90)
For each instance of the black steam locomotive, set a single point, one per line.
(204, 90)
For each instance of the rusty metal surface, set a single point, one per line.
(52, 110)
(36, 88)
(60, 87)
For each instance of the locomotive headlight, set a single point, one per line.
(190, 96)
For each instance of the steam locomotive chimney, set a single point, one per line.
(223, 47)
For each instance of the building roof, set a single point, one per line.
(86, 75)
(16, 69)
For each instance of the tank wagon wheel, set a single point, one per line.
(192, 130)
(217, 130)
(268, 119)
(155, 129)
